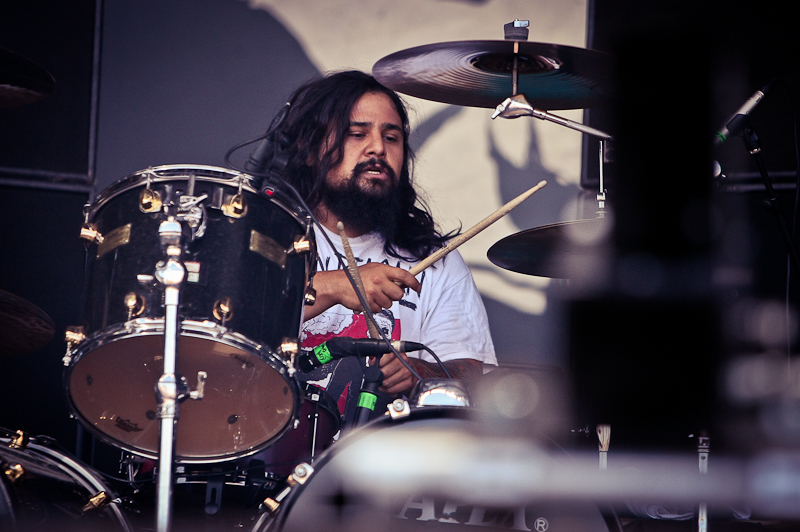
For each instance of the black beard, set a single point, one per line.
(376, 210)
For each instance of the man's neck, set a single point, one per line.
(330, 221)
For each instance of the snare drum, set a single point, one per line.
(248, 258)
(45, 489)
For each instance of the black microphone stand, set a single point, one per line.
(368, 396)
(740, 125)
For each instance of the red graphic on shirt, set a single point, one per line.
(356, 329)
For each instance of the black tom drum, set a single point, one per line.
(248, 258)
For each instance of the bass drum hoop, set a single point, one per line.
(196, 329)
(276, 522)
(77, 472)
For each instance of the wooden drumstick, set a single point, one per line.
(474, 230)
(352, 267)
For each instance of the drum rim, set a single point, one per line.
(195, 329)
(215, 174)
(82, 475)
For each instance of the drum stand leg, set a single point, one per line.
(167, 394)
(170, 389)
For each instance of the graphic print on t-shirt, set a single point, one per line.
(342, 379)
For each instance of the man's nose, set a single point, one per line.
(376, 146)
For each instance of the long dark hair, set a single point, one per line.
(319, 115)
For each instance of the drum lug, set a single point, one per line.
(135, 305)
(271, 505)
(90, 234)
(235, 206)
(98, 501)
(20, 441)
(13, 472)
(149, 200)
(223, 309)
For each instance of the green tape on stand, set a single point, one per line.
(367, 400)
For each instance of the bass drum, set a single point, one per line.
(322, 502)
(43, 488)
(248, 257)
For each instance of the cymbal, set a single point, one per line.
(479, 73)
(563, 250)
(22, 81)
(24, 327)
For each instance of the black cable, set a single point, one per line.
(241, 145)
(438, 361)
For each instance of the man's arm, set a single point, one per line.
(397, 379)
(383, 284)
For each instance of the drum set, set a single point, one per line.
(186, 356)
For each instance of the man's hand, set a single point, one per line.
(397, 379)
(383, 284)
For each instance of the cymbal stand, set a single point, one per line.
(170, 389)
(517, 106)
(601, 196)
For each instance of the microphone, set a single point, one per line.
(343, 346)
(259, 158)
(748, 106)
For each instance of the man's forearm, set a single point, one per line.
(466, 369)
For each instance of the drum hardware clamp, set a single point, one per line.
(399, 409)
(192, 212)
(310, 296)
(301, 245)
(90, 234)
(147, 281)
(302, 472)
(289, 349)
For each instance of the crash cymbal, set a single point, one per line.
(22, 81)
(479, 73)
(23, 326)
(564, 250)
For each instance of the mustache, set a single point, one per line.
(380, 164)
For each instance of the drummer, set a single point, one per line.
(350, 160)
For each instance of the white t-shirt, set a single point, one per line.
(447, 315)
